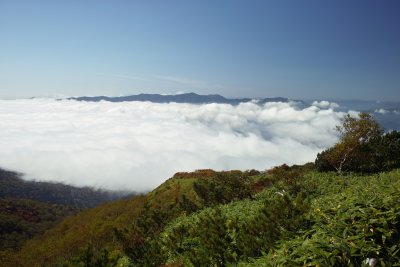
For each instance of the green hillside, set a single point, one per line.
(111, 224)
(300, 217)
(323, 220)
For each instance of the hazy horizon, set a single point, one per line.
(308, 99)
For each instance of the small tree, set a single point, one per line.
(352, 150)
(358, 131)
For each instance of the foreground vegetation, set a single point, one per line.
(350, 220)
(288, 216)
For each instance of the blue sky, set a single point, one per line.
(296, 49)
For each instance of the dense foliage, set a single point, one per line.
(352, 220)
(21, 219)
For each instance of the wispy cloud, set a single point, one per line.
(183, 81)
(190, 83)
(123, 76)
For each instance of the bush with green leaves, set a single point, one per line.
(358, 219)
(230, 233)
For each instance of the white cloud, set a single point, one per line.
(325, 104)
(138, 145)
(381, 111)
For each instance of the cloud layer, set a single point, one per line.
(138, 145)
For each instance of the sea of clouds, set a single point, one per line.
(138, 145)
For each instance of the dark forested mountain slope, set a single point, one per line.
(29, 208)
(22, 219)
(12, 186)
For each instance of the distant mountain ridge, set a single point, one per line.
(191, 98)
(387, 113)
